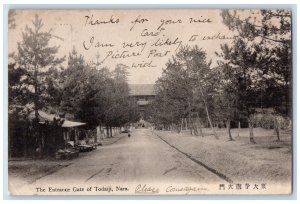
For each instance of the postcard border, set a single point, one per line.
(6, 7)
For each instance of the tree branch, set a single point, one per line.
(279, 41)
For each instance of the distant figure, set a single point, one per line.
(129, 135)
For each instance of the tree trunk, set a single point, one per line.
(75, 136)
(200, 127)
(24, 143)
(96, 136)
(207, 114)
(107, 131)
(40, 145)
(43, 145)
(36, 94)
(110, 129)
(190, 125)
(276, 128)
(287, 96)
(178, 127)
(201, 132)
(239, 129)
(27, 133)
(186, 124)
(251, 131)
(181, 125)
(100, 132)
(195, 128)
(36, 107)
(210, 123)
(228, 129)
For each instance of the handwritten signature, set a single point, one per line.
(186, 189)
(146, 189)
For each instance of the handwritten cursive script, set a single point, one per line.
(185, 189)
(89, 20)
(149, 40)
(144, 189)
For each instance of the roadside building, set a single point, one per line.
(56, 132)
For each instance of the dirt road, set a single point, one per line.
(136, 164)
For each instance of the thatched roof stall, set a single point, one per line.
(54, 132)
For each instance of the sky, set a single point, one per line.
(144, 40)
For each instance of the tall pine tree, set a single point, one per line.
(37, 57)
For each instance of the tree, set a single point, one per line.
(37, 58)
(171, 101)
(11, 19)
(19, 95)
(270, 31)
(194, 61)
(80, 84)
(95, 95)
(72, 80)
(240, 63)
(120, 75)
(174, 94)
(119, 109)
(224, 99)
(32, 84)
(186, 88)
(262, 50)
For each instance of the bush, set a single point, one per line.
(267, 121)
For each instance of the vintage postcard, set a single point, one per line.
(150, 102)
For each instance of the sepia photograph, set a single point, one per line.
(150, 102)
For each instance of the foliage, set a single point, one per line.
(266, 121)
(37, 64)
(186, 88)
(266, 36)
(95, 95)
